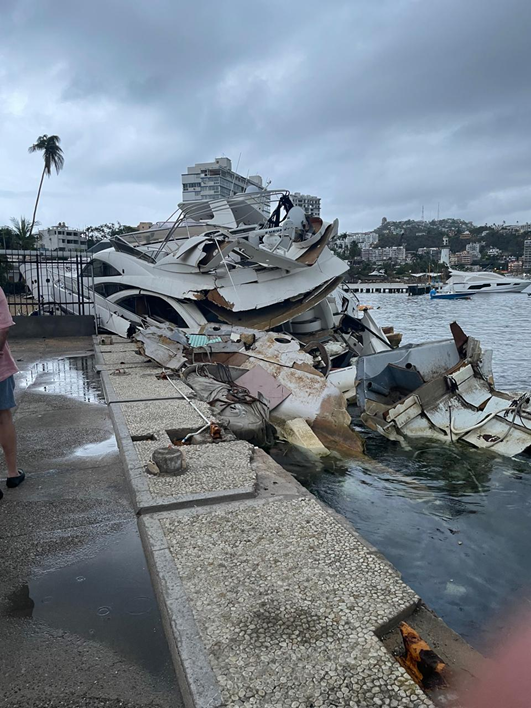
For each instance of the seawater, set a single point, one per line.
(455, 521)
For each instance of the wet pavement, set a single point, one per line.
(79, 621)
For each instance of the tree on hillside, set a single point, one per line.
(347, 253)
(6, 237)
(104, 232)
(22, 236)
(53, 157)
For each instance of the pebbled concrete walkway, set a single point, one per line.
(269, 598)
(79, 624)
(287, 602)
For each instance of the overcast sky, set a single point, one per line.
(376, 106)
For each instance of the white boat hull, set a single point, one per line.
(511, 287)
(465, 283)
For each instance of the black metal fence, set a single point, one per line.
(47, 282)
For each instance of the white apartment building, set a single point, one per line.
(364, 239)
(62, 238)
(206, 181)
(311, 205)
(474, 249)
(527, 256)
(397, 254)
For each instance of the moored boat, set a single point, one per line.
(483, 282)
(434, 295)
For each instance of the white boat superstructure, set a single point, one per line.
(243, 271)
(483, 282)
(219, 261)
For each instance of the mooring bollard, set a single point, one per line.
(167, 460)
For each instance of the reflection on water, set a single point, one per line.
(500, 322)
(455, 521)
(19, 603)
(107, 598)
(97, 449)
(74, 377)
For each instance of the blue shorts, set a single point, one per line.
(7, 393)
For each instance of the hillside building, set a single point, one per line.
(396, 254)
(462, 258)
(61, 238)
(527, 256)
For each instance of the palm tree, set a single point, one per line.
(52, 154)
(22, 233)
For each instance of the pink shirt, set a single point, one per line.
(7, 363)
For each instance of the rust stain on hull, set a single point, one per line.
(274, 315)
(215, 297)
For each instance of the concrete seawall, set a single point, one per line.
(52, 327)
(269, 598)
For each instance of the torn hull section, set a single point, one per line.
(442, 390)
(251, 377)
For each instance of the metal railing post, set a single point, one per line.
(38, 278)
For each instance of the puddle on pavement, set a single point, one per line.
(97, 449)
(73, 377)
(107, 598)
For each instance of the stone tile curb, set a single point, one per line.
(194, 673)
(143, 500)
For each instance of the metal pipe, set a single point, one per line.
(191, 435)
(189, 401)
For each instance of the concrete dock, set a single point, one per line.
(266, 596)
(79, 622)
(396, 288)
(269, 598)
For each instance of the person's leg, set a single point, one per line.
(8, 441)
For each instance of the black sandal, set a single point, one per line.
(13, 482)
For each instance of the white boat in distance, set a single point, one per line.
(483, 282)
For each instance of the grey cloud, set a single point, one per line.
(378, 107)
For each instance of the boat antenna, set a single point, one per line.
(235, 172)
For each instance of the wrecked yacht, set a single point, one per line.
(220, 261)
(251, 376)
(225, 263)
(442, 390)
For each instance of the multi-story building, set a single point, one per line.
(462, 258)
(515, 266)
(474, 249)
(311, 205)
(527, 256)
(363, 239)
(62, 238)
(396, 254)
(206, 181)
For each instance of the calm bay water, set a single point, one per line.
(455, 521)
(501, 322)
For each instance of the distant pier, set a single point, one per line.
(407, 288)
